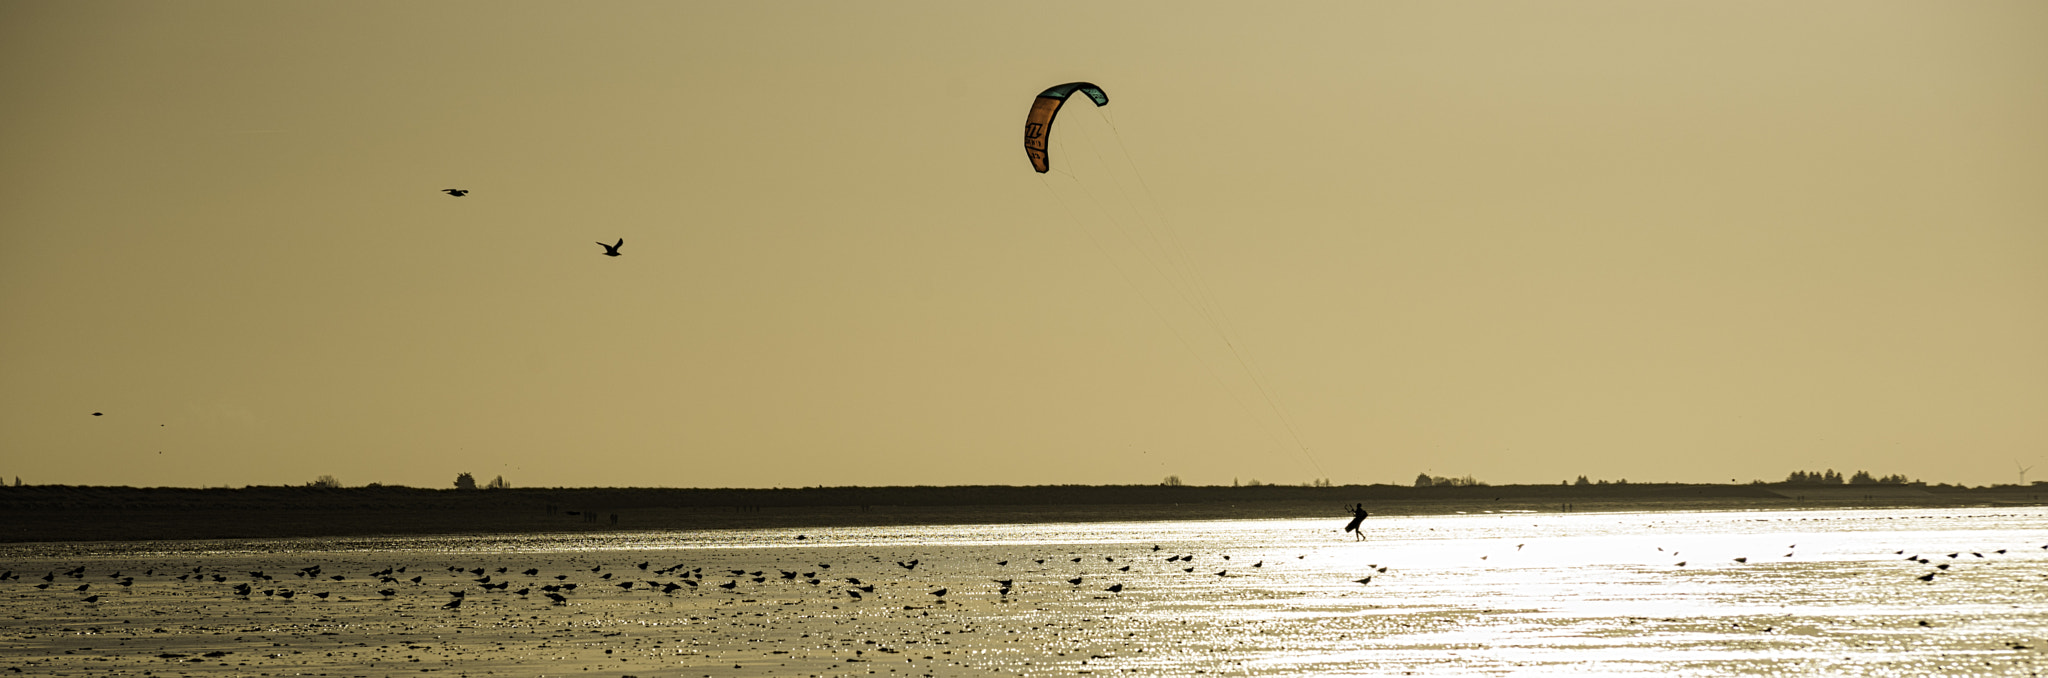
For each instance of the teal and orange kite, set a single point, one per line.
(1038, 127)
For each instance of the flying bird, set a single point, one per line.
(613, 251)
(457, 192)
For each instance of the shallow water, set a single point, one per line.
(1818, 593)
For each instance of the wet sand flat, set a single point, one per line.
(1815, 593)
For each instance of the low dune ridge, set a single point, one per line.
(85, 513)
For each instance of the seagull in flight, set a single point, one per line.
(457, 192)
(613, 250)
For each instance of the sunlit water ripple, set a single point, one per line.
(1818, 593)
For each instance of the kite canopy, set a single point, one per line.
(1038, 126)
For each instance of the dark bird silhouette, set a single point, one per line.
(1115, 588)
(531, 571)
(457, 192)
(912, 565)
(613, 251)
(388, 592)
(452, 604)
(1367, 580)
(729, 585)
(91, 599)
(941, 594)
(1075, 581)
(321, 595)
(1742, 559)
(1926, 577)
(558, 598)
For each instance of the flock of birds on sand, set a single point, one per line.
(611, 250)
(315, 582)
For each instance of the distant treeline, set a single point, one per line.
(61, 497)
(1830, 477)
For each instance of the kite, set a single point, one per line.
(1038, 126)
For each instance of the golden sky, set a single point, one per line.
(1523, 241)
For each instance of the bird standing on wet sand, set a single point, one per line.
(456, 192)
(613, 251)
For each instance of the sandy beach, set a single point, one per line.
(1499, 594)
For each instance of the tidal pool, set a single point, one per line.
(1712, 593)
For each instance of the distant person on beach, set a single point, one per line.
(1358, 516)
